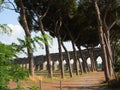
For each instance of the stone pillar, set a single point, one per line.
(27, 66)
(21, 65)
(44, 66)
(66, 65)
(55, 66)
(41, 66)
(24, 65)
(96, 65)
(58, 66)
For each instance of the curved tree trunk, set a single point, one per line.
(41, 28)
(27, 33)
(91, 53)
(109, 52)
(76, 59)
(58, 25)
(102, 42)
(68, 60)
(50, 73)
(82, 57)
(61, 57)
(81, 67)
(75, 53)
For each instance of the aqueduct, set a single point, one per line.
(40, 60)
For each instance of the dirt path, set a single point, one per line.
(89, 81)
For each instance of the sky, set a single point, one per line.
(10, 17)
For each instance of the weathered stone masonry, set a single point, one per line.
(39, 61)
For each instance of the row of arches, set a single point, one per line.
(55, 64)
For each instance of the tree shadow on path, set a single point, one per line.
(81, 88)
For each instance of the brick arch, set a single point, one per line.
(55, 57)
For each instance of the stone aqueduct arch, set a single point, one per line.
(41, 59)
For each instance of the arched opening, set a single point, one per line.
(55, 65)
(89, 61)
(45, 65)
(65, 65)
(99, 63)
(88, 64)
(58, 64)
(64, 62)
(71, 61)
(81, 60)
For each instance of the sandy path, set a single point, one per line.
(89, 81)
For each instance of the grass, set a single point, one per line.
(57, 76)
(33, 83)
(24, 84)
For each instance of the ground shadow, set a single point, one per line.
(81, 88)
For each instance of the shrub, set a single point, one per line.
(8, 70)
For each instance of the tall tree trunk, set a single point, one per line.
(94, 60)
(102, 42)
(27, 33)
(91, 53)
(82, 67)
(68, 60)
(109, 52)
(60, 53)
(87, 66)
(75, 58)
(50, 73)
(41, 27)
(83, 59)
(107, 29)
(75, 53)
(61, 57)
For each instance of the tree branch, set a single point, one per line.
(112, 25)
(45, 13)
(14, 8)
(106, 10)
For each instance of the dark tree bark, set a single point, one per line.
(75, 53)
(91, 53)
(61, 57)
(50, 73)
(38, 20)
(83, 59)
(27, 33)
(75, 58)
(109, 52)
(102, 42)
(68, 60)
(58, 25)
(81, 67)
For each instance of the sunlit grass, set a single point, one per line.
(57, 75)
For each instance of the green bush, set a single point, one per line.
(8, 70)
(34, 88)
(117, 66)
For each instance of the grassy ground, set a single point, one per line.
(56, 76)
(34, 82)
